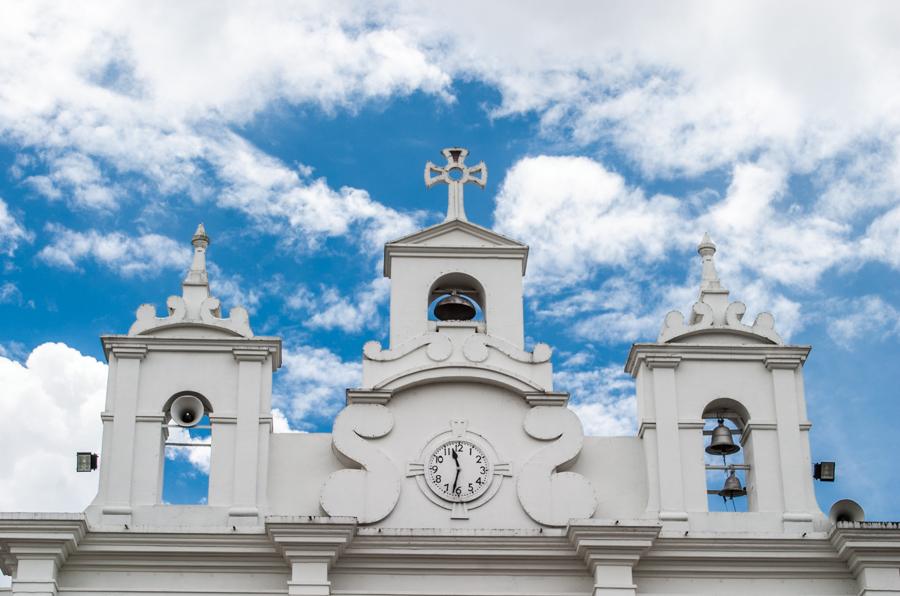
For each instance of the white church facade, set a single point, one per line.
(456, 468)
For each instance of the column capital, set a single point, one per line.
(130, 351)
(658, 361)
(249, 354)
(604, 542)
(783, 362)
(313, 539)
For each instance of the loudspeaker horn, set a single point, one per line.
(846, 510)
(187, 410)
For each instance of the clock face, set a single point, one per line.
(458, 471)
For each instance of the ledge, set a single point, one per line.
(735, 352)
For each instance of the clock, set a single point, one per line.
(458, 470)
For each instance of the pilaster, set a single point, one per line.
(665, 397)
(246, 452)
(148, 459)
(693, 477)
(120, 457)
(310, 545)
(611, 551)
(784, 385)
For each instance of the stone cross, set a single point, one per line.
(455, 174)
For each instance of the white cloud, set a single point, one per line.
(12, 233)
(868, 317)
(11, 294)
(280, 423)
(330, 309)
(197, 456)
(231, 289)
(802, 82)
(603, 399)
(577, 215)
(312, 383)
(49, 410)
(145, 254)
(76, 175)
(582, 221)
(882, 239)
(156, 91)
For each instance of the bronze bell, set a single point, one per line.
(732, 487)
(722, 443)
(454, 307)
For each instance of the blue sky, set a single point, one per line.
(297, 133)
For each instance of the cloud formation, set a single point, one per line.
(12, 232)
(50, 410)
(145, 254)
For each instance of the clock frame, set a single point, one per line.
(459, 505)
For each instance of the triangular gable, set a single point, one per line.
(455, 238)
(457, 233)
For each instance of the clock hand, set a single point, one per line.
(456, 459)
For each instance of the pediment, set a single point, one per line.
(457, 233)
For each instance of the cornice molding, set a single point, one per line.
(500, 552)
(712, 352)
(742, 557)
(124, 343)
(867, 544)
(39, 536)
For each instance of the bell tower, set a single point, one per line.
(712, 369)
(458, 261)
(192, 368)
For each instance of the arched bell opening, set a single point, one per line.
(456, 297)
(186, 444)
(728, 472)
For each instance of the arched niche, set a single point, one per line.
(185, 453)
(463, 284)
(735, 417)
(167, 406)
(727, 409)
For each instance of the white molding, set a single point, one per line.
(712, 352)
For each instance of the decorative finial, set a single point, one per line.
(197, 276)
(195, 306)
(713, 312)
(709, 281)
(455, 174)
(200, 236)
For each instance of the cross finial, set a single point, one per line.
(455, 174)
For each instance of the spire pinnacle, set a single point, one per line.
(198, 276)
(455, 175)
(709, 280)
(195, 306)
(200, 236)
(713, 312)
